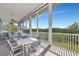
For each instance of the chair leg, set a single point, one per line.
(10, 53)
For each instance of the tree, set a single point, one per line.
(11, 27)
(73, 28)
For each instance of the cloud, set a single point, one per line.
(53, 12)
(59, 12)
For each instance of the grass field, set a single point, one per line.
(67, 46)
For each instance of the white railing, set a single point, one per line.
(66, 40)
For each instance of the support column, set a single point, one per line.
(23, 25)
(26, 24)
(0, 25)
(50, 23)
(37, 24)
(19, 26)
(30, 27)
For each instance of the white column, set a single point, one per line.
(18, 28)
(37, 24)
(20, 25)
(50, 23)
(30, 27)
(23, 25)
(26, 24)
(0, 25)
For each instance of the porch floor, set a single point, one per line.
(4, 51)
(43, 50)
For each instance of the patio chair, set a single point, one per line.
(32, 48)
(15, 50)
(12, 40)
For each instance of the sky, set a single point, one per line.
(62, 15)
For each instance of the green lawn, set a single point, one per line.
(71, 47)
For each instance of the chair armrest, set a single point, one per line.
(17, 47)
(14, 43)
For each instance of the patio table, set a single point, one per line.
(23, 43)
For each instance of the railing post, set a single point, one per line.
(78, 43)
(73, 42)
(50, 23)
(68, 40)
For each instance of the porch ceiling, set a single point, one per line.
(18, 9)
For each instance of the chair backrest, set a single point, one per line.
(10, 45)
(35, 44)
(38, 42)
